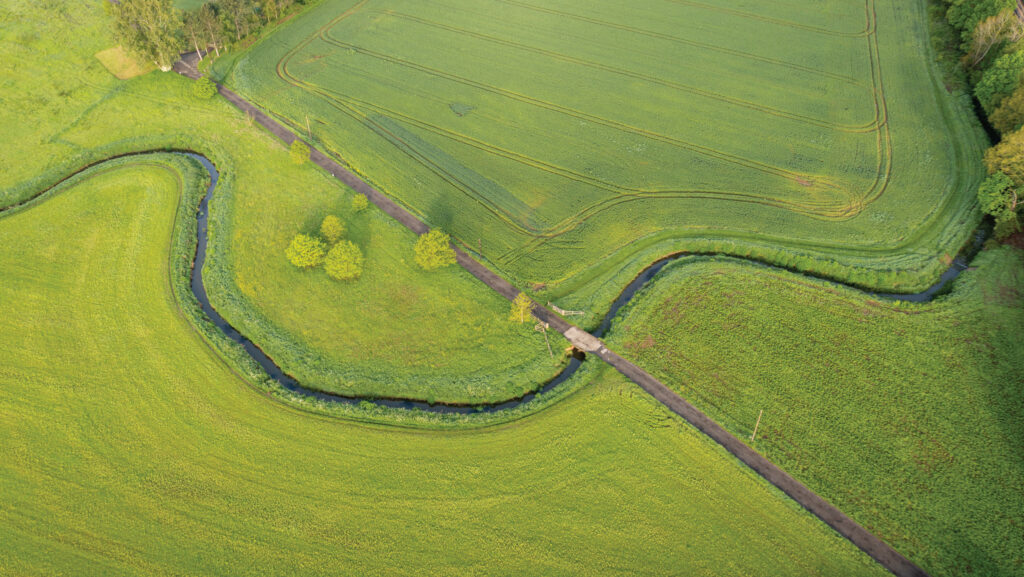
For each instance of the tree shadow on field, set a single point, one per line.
(440, 215)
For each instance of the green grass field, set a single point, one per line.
(908, 418)
(131, 448)
(571, 141)
(395, 332)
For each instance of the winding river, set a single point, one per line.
(959, 264)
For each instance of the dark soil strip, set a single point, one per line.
(833, 517)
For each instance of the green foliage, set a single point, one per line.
(209, 27)
(1000, 80)
(965, 15)
(858, 394)
(332, 229)
(305, 251)
(204, 88)
(521, 307)
(298, 151)
(360, 203)
(1007, 224)
(148, 29)
(344, 261)
(433, 250)
(1009, 116)
(1008, 157)
(997, 194)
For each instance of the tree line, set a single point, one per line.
(154, 30)
(989, 35)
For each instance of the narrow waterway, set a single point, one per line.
(960, 263)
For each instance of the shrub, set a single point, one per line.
(299, 151)
(360, 202)
(204, 88)
(344, 261)
(332, 229)
(433, 250)
(305, 251)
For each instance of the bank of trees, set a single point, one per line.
(991, 35)
(154, 30)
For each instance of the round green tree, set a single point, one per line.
(298, 151)
(360, 202)
(332, 229)
(1000, 80)
(344, 261)
(306, 251)
(998, 197)
(433, 250)
(204, 88)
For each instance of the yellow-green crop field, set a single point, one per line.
(567, 141)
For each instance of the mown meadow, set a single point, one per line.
(908, 417)
(812, 134)
(130, 447)
(395, 332)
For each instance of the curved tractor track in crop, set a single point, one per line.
(825, 200)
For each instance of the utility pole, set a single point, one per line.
(309, 132)
(754, 434)
(543, 327)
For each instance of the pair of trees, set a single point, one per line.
(1000, 29)
(341, 259)
(203, 28)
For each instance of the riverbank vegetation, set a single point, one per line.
(992, 49)
(908, 417)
